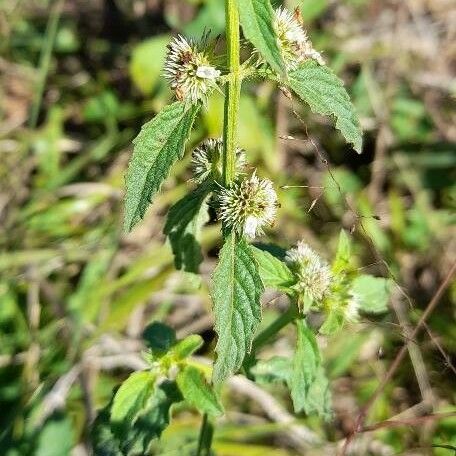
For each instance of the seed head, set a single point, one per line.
(294, 43)
(188, 70)
(312, 272)
(207, 160)
(248, 206)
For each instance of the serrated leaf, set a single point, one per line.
(306, 360)
(153, 421)
(318, 398)
(325, 93)
(236, 292)
(372, 293)
(187, 346)
(274, 273)
(159, 144)
(183, 227)
(130, 400)
(257, 20)
(197, 392)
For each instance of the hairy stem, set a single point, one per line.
(232, 92)
(230, 121)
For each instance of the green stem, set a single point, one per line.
(230, 121)
(205, 437)
(232, 92)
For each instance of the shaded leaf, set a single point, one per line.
(325, 93)
(257, 20)
(183, 225)
(159, 144)
(275, 369)
(236, 292)
(197, 392)
(159, 337)
(318, 398)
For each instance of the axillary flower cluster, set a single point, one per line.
(249, 204)
(318, 285)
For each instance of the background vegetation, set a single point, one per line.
(79, 78)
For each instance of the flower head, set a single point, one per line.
(294, 43)
(312, 272)
(207, 160)
(351, 312)
(248, 206)
(188, 70)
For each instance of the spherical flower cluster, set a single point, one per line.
(312, 272)
(207, 160)
(294, 43)
(188, 70)
(248, 206)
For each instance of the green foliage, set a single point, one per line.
(372, 292)
(159, 144)
(236, 291)
(197, 392)
(257, 20)
(318, 86)
(273, 272)
(183, 227)
(306, 361)
(130, 400)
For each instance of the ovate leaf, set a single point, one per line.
(197, 392)
(306, 361)
(187, 346)
(325, 93)
(257, 20)
(273, 272)
(236, 292)
(183, 226)
(159, 337)
(334, 321)
(130, 400)
(159, 144)
(372, 293)
(275, 369)
(153, 421)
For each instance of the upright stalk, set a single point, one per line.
(232, 91)
(230, 121)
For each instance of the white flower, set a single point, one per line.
(248, 206)
(188, 70)
(352, 308)
(312, 272)
(207, 160)
(294, 43)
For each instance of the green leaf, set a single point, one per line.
(153, 421)
(275, 369)
(325, 93)
(197, 392)
(334, 321)
(56, 438)
(146, 63)
(236, 292)
(318, 398)
(342, 259)
(274, 273)
(187, 346)
(159, 144)
(372, 292)
(306, 361)
(183, 227)
(105, 443)
(159, 337)
(129, 400)
(257, 19)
